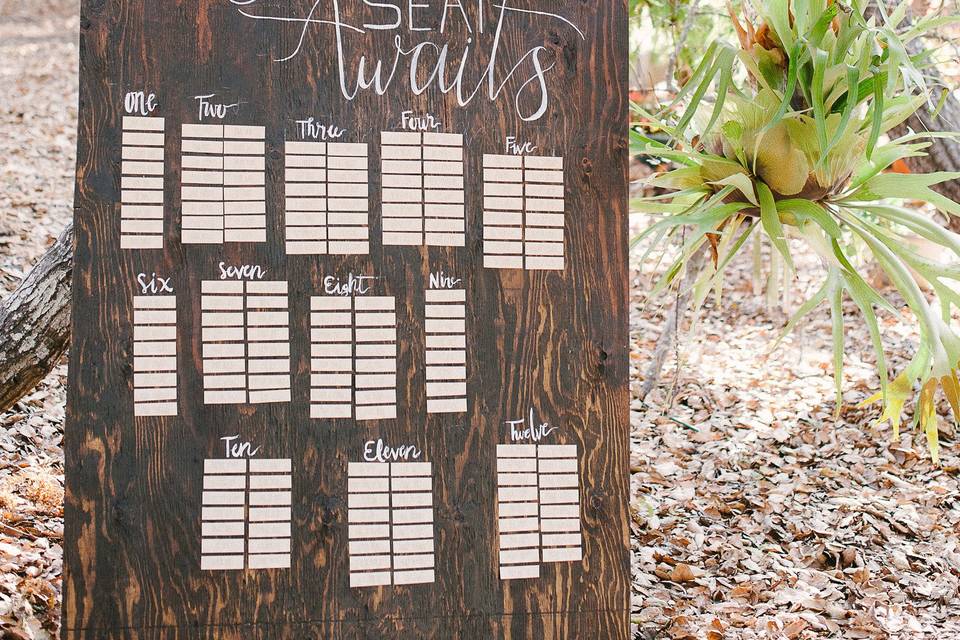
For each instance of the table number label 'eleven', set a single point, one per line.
(246, 342)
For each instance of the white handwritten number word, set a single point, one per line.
(207, 109)
(156, 284)
(140, 103)
(442, 281)
(354, 285)
(243, 272)
(236, 449)
(379, 451)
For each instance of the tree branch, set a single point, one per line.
(35, 322)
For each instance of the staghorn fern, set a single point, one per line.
(784, 136)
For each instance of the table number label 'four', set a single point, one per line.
(390, 515)
(245, 517)
(327, 199)
(223, 184)
(538, 504)
(246, 342)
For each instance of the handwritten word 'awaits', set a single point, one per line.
(427, 63)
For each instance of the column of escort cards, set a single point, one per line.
(538, 507)
(246, 514)
(423, 191)
(246, 342)
(390, 514)
(353, 360)
(141, 183)
(245, 333)
(223, 184)
(327, 198)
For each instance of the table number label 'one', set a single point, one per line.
(223, 190)
(423, 197)
(155, 355)
(353, 357)
(523, 212)
(327, 204)
(141, 188)
(445, 323)
(390, 514)
(538, 504)
(246, 342)
(245, 517)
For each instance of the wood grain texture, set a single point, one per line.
(553, 341)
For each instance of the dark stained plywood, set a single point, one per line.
(539, 255)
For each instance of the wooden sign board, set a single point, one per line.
(350, 346)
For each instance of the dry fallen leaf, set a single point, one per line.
(683, 573)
